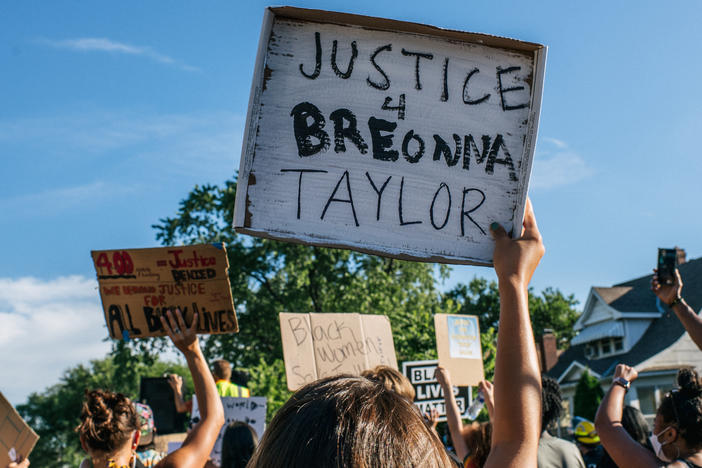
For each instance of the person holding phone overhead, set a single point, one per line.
(667, 285)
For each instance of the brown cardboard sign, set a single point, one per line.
(138, 285)
(393, 138)
(15, 435)
(321, 345)
(458, 347)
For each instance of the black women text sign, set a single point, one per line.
(387, 137)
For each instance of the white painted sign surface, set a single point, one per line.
(251, 411)
(387, 137)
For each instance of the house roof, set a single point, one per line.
(610, 295)
(636, 296)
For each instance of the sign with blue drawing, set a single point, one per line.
(464, 339)
(458, 347)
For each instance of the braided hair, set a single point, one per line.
(551, 402)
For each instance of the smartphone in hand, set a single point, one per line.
(667, 263)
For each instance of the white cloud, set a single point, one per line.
(100, 44)
(98, 132)
(59, 200)
(556, 165)
(46, 327)
(556, 142)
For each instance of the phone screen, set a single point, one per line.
(667, 262)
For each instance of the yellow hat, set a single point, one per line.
(585, 433)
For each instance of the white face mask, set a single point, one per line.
(658, 447)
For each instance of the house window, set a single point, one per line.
(604, 347)
(647, 399)
(618, 344)
(590, 350)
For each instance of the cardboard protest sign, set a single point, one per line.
(320, 345)
(387, 137)
(428, 392)
(16, 437)
(458, 347)
(138, 285)
(251, 411)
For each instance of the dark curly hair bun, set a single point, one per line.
(108, 420)
(689, 383)
(683, 408)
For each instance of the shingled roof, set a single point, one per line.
(636, 296)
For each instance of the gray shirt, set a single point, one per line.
(557, 453)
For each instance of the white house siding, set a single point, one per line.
(683, 352)
(599, 313)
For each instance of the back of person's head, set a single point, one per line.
(635, 424)
(391, 379)
(478, 437)
(108, 421)
(238, 445)
(551, 402)
(348, 421)
(682, 408)
(221, 369)
(240, 377)
(147, 427)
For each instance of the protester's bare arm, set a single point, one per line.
(517, 382)
(672, 294)
(624, 450)
(176, 383)
(453, 415)
(196, 448)
(488, 391)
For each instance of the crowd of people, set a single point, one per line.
(370, 420)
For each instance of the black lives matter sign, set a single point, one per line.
(428, 392)
(387, 137)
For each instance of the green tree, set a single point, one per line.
(588, 394)
(55, 412)
(549, 310)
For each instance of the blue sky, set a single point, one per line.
(111, 112)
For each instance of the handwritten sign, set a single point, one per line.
(138, 285)
(251, 410)
(16, 437)
(428, 392)
(458, 347)
(321, 345)
(387, 137)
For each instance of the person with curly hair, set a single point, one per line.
(677, 428)
(109, 430)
